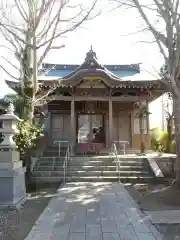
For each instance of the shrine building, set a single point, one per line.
(93, 107)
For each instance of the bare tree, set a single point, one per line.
(167, 37)
(30, 28)
(167, 105)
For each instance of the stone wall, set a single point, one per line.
(167, 165)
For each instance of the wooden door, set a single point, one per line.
(123, 126)
(66, 127)
(60, 127)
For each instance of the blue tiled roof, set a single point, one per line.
(121, 73)
(59, 73)
(65, 72)
(90, 63)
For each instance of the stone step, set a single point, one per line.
(86, 159)
(86, 168)
(58, 174)
(50, 162)
(48, 168)
(43, 164)
(90, 173)
(109, 179)
(109, 156)
(110, 163)
(53, 154)
(93, 161)
(92, 179)
(55, 150)
(47, 158)
(107, 173)
(46, 180)
(104, 167)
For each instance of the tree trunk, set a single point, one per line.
(28, 91)
(169, 132)
(28, 112)
(176, 113)
(142, 145)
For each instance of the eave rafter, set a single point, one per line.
(45, 86)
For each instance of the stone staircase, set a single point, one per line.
(103, 168)
(49, 168)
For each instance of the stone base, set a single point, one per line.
(12, 188)
(9, 156)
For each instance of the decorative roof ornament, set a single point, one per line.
(91, 55)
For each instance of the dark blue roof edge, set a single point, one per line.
(114, 67)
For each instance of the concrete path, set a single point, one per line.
(92, 211)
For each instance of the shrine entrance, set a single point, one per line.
(90, 133)
(91, 126)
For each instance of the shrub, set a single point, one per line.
(160, 141)
(164, 141)
(155, 137)
(27, 135)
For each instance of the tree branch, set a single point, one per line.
(10, 63)
(44, 96)
(9, 73)
(69, 29)
(21, 10)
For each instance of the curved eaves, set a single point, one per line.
(89, 72)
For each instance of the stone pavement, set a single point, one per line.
(93, 211)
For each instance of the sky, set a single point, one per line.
(110, 35)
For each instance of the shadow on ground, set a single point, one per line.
(153, 196)
(158, 197)
(16, 224)
(92, 210)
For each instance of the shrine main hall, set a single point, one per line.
(95, 105)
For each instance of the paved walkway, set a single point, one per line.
(92, 211)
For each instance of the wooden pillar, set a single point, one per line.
(90, 126)
(110, 123)
(147, 119)
(49, 129)
(130, 129)
(73, 127)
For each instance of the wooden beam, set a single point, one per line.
(104, 99)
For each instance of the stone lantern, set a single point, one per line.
(9, 128)
(12, 179)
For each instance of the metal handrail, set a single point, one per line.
(123, 143)
(65, 164)
(115, 154)
(59, 145)
(67, 157)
